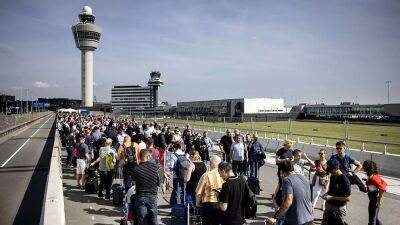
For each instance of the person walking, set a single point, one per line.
(207, 190)
(147, 181)
(206, 146)
(376, 186)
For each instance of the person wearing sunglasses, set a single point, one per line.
(346, 161)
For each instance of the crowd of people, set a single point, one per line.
(148, 155)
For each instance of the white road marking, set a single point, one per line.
(24, 144)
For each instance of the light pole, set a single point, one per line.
(388, 90)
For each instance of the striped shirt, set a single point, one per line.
(146, 177)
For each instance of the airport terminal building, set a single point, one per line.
(232, 107)
(135, 99)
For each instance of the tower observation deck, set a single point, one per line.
(87, 38)
(154, 83)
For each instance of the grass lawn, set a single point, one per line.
(335, 131)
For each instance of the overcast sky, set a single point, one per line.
(303, 51)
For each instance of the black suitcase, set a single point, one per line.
(254, 185)
(117, 194)
(92, 185)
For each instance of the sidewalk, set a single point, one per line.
(82, 208)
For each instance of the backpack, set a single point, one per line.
(110, 162)
(249, 203)
(130, 156)
(180, 166)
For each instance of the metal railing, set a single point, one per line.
(357, 144)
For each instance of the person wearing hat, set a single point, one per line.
(338, 195)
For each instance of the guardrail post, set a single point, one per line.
(385, 151)
(214, 129)
(278, 137)
(298, 139)
(327, 142)
(363, 147)
(265, 135)
(285, 136)
(312, 140)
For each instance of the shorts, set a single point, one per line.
(80, 166)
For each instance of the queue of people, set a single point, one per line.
(144, 156)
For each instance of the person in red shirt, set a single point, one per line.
(376, 186)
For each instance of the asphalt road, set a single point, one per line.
(24, 165)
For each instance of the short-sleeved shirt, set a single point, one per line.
(299, 166)
(83, 149)
(207, 184)
(146, 177)
(345, 163)
(376, 183)
(237, 151)
(300, 211)
(339, 186)
(226, 143)
(284, 154)
(233, 192)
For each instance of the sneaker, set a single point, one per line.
(107, 197)
(100, 195)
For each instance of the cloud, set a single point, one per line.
(55, 86)
(41, 84)
(95, 84)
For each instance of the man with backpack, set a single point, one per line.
(179, 165)
(128, 160)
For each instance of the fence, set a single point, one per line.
(358, 137)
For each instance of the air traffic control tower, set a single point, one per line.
(87, 37)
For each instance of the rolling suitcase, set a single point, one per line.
(254, 182)
(118, 193)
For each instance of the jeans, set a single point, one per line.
(357, 181)
(177, 191)
(127, 181)
(372, 210)
(237, 167)
(68, 162)
(334, 215)
(210, 215)
(146, 209)
(105, 182)
(253, 169)
(226, 157)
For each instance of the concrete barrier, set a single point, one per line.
(389, 164)
(19, 126)
(53, 210)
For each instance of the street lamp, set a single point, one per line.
(388, 89)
